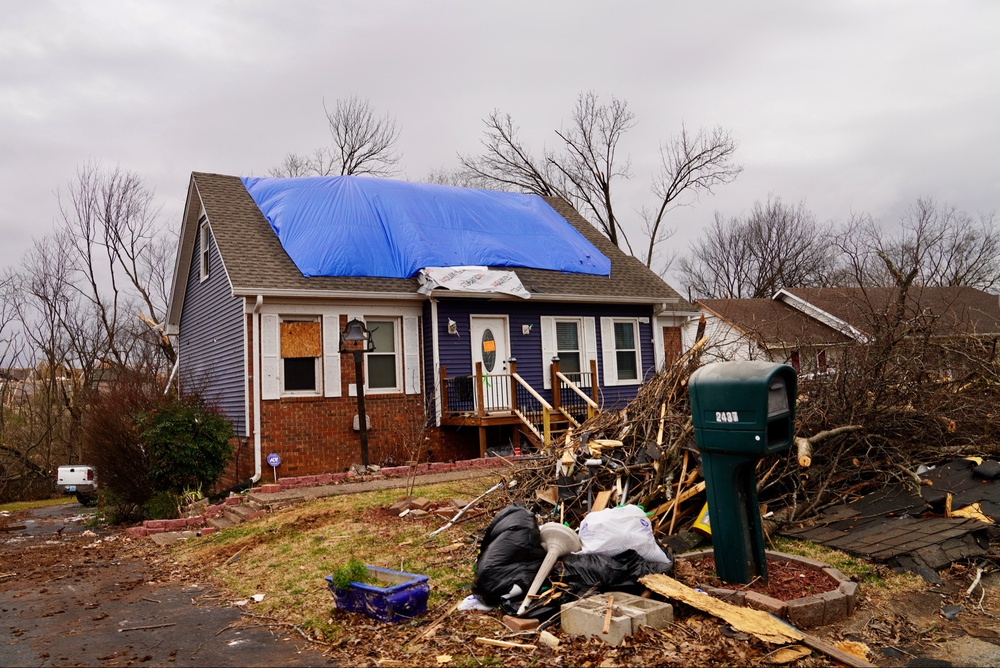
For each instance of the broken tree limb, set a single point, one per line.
(504, 643)
(804, 446)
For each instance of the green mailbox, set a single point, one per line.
(741, 412)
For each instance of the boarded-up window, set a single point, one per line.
(301, 339)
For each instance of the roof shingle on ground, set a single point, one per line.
(959, 310)
(772, 322)
(256, 262)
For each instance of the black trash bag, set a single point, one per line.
(510, 554)
(597, 573)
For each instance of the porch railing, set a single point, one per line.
(477, 394)
(568, 396)
(534, 411)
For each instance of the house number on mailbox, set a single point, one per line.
(726, 416)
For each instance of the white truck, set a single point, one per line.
(78, 479)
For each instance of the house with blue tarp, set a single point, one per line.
(497, 319)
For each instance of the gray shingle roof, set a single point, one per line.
(256, 262)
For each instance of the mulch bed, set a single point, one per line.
(787, 580)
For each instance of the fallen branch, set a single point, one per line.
(467, 506)
(504, 643)
(804, 446)
(146, 628)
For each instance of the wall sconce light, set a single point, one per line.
(526, 329)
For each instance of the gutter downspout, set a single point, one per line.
(257, 468)
(436, 362)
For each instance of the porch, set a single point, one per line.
(485, 400)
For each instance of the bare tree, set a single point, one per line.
(589, 163)
(774, 246)
(933, 245)
(362, 143)
(122, 257)
(689, 165)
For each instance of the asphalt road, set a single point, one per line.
(69, 597)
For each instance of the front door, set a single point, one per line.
(491, 347)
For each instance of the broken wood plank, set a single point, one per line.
(601, 502)
(840, 655)
(607, 614)
(758, 623)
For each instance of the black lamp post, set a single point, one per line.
(357, 340)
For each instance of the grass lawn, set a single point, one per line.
(28, 505)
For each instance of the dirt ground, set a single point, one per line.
(72, 597)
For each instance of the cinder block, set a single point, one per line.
(766, 603)
(586, 618)
(806, 612)
(647, 612)
(519, 623)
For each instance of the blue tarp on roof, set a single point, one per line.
(359, 226)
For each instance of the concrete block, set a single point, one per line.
(647, 612)
(806, 612)
(766, 603)
(519, 623)
(586, 618)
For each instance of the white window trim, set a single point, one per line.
(318, 374)
(609, 351)
(588, 344)
(204, 249)
(397, 333)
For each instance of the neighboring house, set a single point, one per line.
(808, 327)
(768, 329)
(454, 371)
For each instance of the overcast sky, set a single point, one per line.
(847, 106)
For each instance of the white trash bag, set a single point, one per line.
(615, 530)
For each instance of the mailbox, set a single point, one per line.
(743, 407)
(741, 412)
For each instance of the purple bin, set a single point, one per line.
(403, 596)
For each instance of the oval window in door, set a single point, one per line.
(489, 350)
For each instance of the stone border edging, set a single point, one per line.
(806, 612)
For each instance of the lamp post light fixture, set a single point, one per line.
(357, 340)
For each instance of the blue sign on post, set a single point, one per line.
(274, 460)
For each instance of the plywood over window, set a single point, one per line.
(301, 339)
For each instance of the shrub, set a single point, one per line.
(187, 444)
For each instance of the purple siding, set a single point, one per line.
(210, 342)
(456, 350)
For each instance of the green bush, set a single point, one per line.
(187, 444)
(163, 506)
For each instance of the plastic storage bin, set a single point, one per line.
(403, 596)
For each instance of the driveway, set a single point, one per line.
(72, 597)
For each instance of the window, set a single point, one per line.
(383, 372)
(301, 349)
(620, 351)
(204, 249)
(626, 352)
(568, 348)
